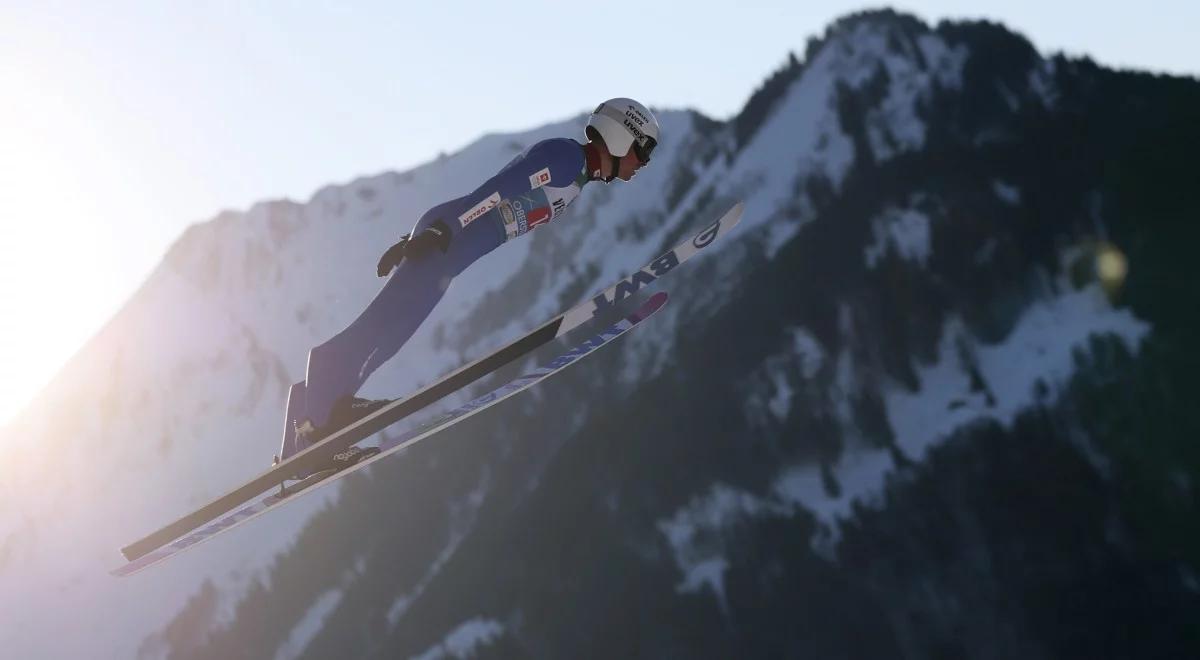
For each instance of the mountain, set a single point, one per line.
(930, 400)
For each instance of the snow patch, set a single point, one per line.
(1010, 97)
(1039, 348)
(802, 138)
(1008, 193)
(706, 573)
(310, 624)
(945, 64)
(895, 126)
(465, 639)
(804, 129)
(808, 351)
(770, 389)
(1041, 82)
(859, 475)
(781, 231)
(781, 403)
(784, 229)
(696, 536)
(906, 230)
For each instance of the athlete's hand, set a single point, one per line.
(392, 257)
(434, 236)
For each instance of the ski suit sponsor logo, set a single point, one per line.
(479, 209)
(630, 286)
(518, 210)
(707, 236)
(517, 213)
(582, 350)
(539, 216)
(539, 178)
(478, 403)
(527, 211)
(559, 198)
(513, 214)
(535, 208)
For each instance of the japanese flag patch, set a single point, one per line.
(539, 178)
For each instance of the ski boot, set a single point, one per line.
(338, 462)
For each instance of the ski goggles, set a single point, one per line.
(643, 146)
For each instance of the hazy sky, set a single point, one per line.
(121, 123)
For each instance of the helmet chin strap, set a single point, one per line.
(594, 156)
(616, 167)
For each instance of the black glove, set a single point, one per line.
(436, 235)
(392, 257)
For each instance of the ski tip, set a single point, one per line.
(734, 214)
(652, 305)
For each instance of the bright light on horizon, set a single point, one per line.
(55, 282)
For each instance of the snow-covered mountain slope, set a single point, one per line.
(913, 268)
(181, 395)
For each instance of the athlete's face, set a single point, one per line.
(628, 166)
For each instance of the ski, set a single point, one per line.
(314, 457)
(392, 445)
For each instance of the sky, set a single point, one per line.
(121, 123)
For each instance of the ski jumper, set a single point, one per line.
(531, 190)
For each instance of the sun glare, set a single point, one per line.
(53, 244)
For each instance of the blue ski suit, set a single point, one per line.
(532, 189)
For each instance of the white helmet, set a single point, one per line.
(623, 123)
